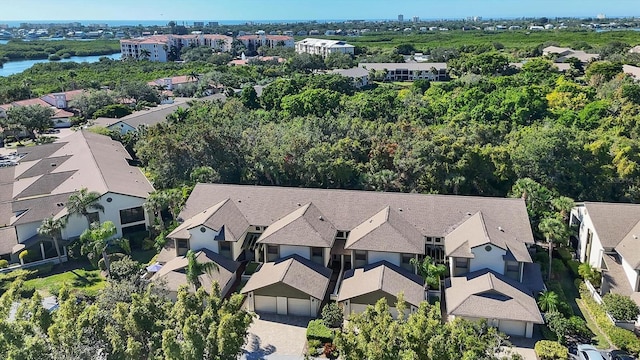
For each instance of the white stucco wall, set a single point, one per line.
(483, 259)
(632, 274)
(595, 256)
(375, 256)
(77, 224)
(236, 248)
(304, 251)
(26, 231)
(203, 240)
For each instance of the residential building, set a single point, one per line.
(44, 176)
(323, 47)
(253, 42)
(563, 54)
(359, 76)
(608, 240)
(410, 71)
(355, 247)
(58, 102)
(157, 47)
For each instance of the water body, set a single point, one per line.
(15, 67)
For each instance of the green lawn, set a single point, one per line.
(599, 339)
(84, 280)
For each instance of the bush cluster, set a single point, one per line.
(622, 308)
(551, 350)
(317, 330)
(621, 338)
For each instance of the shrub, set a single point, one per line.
(42, 270)
(148, 244)
(579, 326)
(112, 257)
(558, 324)
(332, 315)
(26, 292)
(564, 254)
(557, 267)
(23, 255)
(550, 350)
(588, 272)
(319, 331)
(313, 345)
(573, 265)
(4, 264)
(622, 308)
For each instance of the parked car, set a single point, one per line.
(588, 352)
(620, 355)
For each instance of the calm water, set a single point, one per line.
(14, 67)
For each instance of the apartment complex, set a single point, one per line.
(157, 47)
(409, 71)
(253, 42)
(355, 247)
(323, 47)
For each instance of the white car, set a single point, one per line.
(588, 352)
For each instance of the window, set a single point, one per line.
(406, 258)
(132, 215)
(273, 250)
(361, 255)
(342, 235)
(317, 252)
(225, 248)
(438, 240)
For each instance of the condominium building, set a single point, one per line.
(323, 47)
(157, 47)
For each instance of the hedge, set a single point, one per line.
(4, 263)
(317, 330)
(620, 338)
(621, 307)
(551, 350)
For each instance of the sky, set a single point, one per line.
(13, 10)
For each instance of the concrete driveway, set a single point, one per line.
(276, 337)
(524, 347)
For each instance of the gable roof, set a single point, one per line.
(306, 226)
(173, 272)
(149, 117)
(431, 215)
(474, 232)
(612, 221)
(294, 271)
(223, 217)
(486, 294)
(382, 276)
(628, 248)
(386, 231)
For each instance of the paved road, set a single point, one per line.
(276, 337)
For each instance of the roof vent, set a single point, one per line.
(399, 209)
(299, 204)
(469, 214)
(239, 201)
(500, 228)
(54, 164)
(635, 236)
(320, 218)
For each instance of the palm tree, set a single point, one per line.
(548, 301)
(553, 230)
(97, 239)
(193, 75)
(52, 227)
(144, 54)
(563, 206)
(61, 80)
(82, 201)
(429, 271)
(155, 203)
(195, 269)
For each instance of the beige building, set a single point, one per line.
(323, 47)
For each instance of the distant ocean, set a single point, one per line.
(118, 23)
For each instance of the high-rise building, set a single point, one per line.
(400, 18)
(415, 19)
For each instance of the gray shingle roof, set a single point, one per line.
(39, 208)
(475, 231)
(382, 276)
(486, 294)
(629, 247)
(223, 214)
(173, 272)
(612, 221)
(295, 271)
(386, 231)
(306, 226)
(430, 215)
(8, 239)
(150, 117)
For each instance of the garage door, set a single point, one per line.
(299, 307)
(516, 328)
(266, 304)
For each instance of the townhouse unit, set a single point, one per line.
(323, 47)
(355, 247)
(157, 47)
(43, 177)
(358, 75)
(608, 240)
(409, 71)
